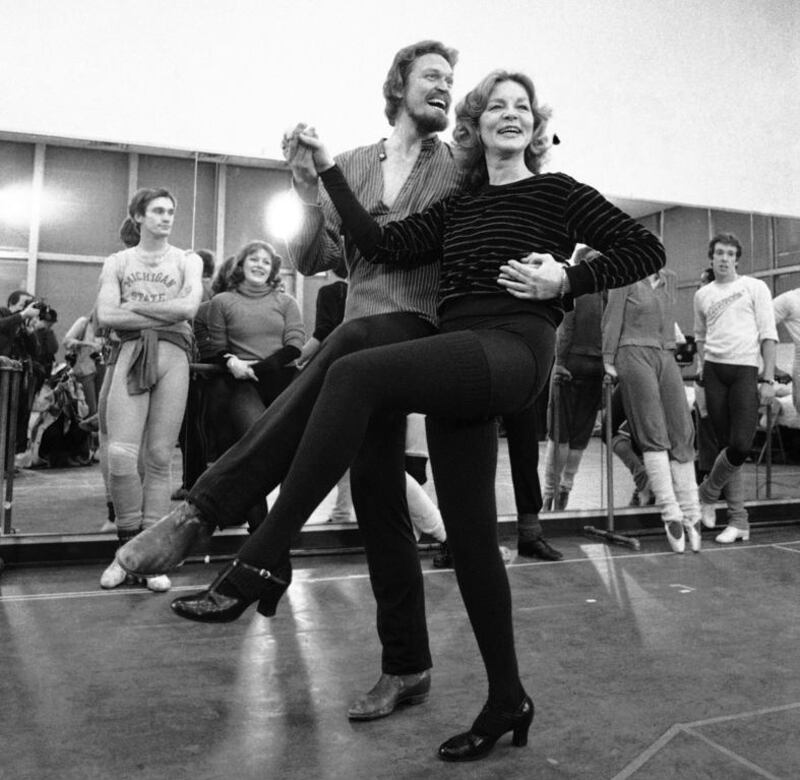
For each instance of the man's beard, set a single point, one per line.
(426, 123)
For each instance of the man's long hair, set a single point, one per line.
(395, 84)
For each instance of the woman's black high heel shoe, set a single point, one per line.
(488, 727)
(233, 591)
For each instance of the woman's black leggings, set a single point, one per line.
(461, 381)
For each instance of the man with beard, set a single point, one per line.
(397, 176)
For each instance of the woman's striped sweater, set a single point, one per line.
(473, 233)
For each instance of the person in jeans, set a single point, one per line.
(734, 328)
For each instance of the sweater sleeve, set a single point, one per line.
(330, 311)
(294, 334)
(10, 322)
(217, 327)
(201, 335)
(765, 314)
(629, 252)
(415, 240)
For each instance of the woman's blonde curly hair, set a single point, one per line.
(468, 146)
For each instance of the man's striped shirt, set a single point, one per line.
(379, 289)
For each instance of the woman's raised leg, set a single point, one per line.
(448, 375)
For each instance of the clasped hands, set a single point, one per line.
(307, 157)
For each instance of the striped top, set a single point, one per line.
(472, 234)
(378, 289)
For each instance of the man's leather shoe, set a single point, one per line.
(391, 691)
(166, 544)
(538, 548)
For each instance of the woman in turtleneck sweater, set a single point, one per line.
(255, 332)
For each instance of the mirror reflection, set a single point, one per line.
(52, 250)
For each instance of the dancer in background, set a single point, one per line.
(639, 350)
(787, 313)
(734, 327)
(148, 295)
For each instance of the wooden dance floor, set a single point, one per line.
(643, 665)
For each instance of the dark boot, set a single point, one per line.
(233, 591)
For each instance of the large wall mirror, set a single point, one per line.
(61, 204)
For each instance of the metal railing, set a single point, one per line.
(10, 381)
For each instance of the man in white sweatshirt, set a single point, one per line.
(735, 330)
